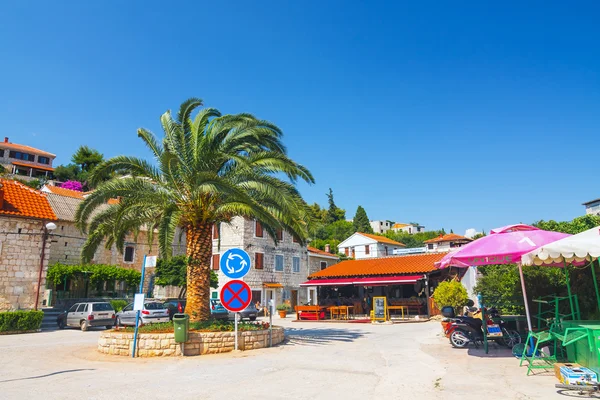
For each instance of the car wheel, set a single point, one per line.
(61, 324)
(108, 326)
(252, 318)
(84, 326)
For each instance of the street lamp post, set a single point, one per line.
(50, 226)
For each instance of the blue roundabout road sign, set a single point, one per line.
(235, 263)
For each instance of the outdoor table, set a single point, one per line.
(401, 308)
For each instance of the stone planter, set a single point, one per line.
(163, 344)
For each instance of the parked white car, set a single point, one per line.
(153, 312)
(85, 315)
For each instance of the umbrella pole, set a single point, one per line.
(595, 283)
(525, 298)
(569, 291)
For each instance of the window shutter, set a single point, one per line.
(215, 231)
(258, 260)
(367, 249)
(216, 258)
(346, 252)
(280, 235)
(258, 231)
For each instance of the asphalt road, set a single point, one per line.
(318, 361)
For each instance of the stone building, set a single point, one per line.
(24, 213)
(277, 270)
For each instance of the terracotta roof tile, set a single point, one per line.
(381, 239)
(399, 225)
(410, 264)
(447, 238)
(21, 200)
(22, 147)
(318, 252)
(65, 192)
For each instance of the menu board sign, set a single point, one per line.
(379, 308)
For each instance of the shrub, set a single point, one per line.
(20, 320)
(202, 326)
(72, 185)
(118, 305)
(451, 293)
(282, 307)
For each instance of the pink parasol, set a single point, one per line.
(503, 245)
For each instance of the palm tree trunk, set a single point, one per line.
(199, 252)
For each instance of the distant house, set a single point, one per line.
(24, 161)
(592, 207)
(364, 245)
(408, 228)
(24, 212)
(445, 243)
(380, 226)
(318, 260)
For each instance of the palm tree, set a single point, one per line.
(208, 169)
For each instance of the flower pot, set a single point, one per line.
(282, 313)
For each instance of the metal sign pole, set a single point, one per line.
(236, 331)
(271, 323)
(137, 314)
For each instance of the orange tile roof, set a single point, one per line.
(447, 238)
(318, 252)
(32, 165)
(409, 264)
(399, 225)
(22, 147)
(381, 239)
(65, 192)
(20, 200)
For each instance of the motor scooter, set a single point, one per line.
(464, 330)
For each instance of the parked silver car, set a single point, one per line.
(250, 312)
(153, 312)
(85, 315)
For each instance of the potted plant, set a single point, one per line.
(282, 308)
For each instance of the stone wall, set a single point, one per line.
(163, 344)
(20, 252)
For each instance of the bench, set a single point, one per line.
(309, 312)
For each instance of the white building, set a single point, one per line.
(445, 243)
(592, 207)
(408, 228)
(380, 226)
(25, 162)
(364, 245)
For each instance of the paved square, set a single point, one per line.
(319, 361)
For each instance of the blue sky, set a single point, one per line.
(451, 116)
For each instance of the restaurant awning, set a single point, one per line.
(273, 285)
(372, 281)
(329, 282)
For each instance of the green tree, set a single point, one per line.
(318, 214)
(173, 272)
(334, 213)
(87, 158)
(412, 240)
(208, 169)
(451, 293)
(69, 172)
(361, 221)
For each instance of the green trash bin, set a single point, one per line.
(181, 324)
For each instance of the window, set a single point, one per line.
(128, 307)
(346, 252)
(216, 258)
(1, 152)
(259, 259)
(82, 308)
(129, 254)
(386, 250)
(430, 246)
(66, 244)
(216, 228)
(154, 306)
(73, 308)
(258, 229)
(323, 265)
(43, 160)
(102, 307)
(278, 262)
(280, 235)
(295, 264)
(367, 249)
(21, 156)
(295, 240)
(353, 253)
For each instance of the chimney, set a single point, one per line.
(328, 248)
(5, 139)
